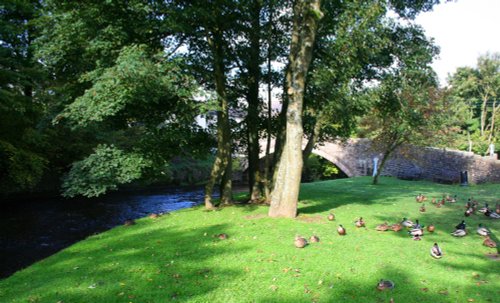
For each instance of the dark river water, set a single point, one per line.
(31, 230)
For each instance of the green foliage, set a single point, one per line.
(19, 169)
(150, 90)
(317, 168)
(179, 258)
(102, 171)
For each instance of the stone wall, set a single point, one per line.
(355, 158)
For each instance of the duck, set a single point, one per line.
(300, 242)
(417, 225)
(433, 201)
(331, 217)
(454, 199)
(407, 223)
(482, 231)
(341, 230)
(490, 243)
(420, 198)
(459, 233)
(492, 215)
(422, 208)
(416, 232)
(396, 227)
(498, 208)
(154, 216)
(469, 212)
(129, 222)
(314, 239)
(222, 236)
(360, 222)
(436, 251)
(382, 227)
(461, 225)
(431, 228)
(468, 204)
(385, 285)
(484, 209)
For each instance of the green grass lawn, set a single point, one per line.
(177, 258)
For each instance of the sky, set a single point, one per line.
(464, 30)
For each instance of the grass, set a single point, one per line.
(177, 258)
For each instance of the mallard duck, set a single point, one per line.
(129, 222)
(385, 285)
(498, 209)
(468, 204)
(469, 212)
(422, 208)
(154, 216)
(416, 232)
(382, 227)
(331, 217)
(341, 230)
(492, 215)
(436, 251)
(314, 239)
(433, 201)
(300, 242)
(484, 209)
(420, 198)
(396, 227)
(461, 225)
(431, 228)
(490, 243)
(407, 223)
(417, 225)
(459, 233)
(360, 222)
(454, 199)
(482, 231)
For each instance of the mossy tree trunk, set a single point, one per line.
(284, 197)
(222, 167)
(252, 120)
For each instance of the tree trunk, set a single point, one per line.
(284, 197)
(313, 138)
(266, 181)
(385, 156)
(221, 168)
(254, 104)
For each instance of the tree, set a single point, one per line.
(22, 158)
(306, 16)
(475, 92)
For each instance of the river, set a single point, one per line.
(31, 230)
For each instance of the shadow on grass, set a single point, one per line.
(140, 265)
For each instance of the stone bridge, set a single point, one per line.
(355, 158)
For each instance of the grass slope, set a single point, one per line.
(177, 258)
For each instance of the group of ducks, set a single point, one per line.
(472, 206)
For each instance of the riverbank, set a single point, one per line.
(179, 256)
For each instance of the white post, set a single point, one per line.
(375, 166)
(492, 149)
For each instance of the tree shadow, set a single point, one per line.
(141, 265)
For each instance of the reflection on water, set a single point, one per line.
(33, 230)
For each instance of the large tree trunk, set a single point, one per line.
(222, 165)
(254, 104)
(285, 193)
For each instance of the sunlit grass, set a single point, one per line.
(178, 258)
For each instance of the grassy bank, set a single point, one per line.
(178, 258)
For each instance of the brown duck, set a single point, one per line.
(422, 208)
(382, 227)
(385, 285)
(300, 242)
(341, 230)
(396, 227)
(490, 243)
(431, 228)
(129, 222)
(331, 217)
(314, 239)
(360, 222)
